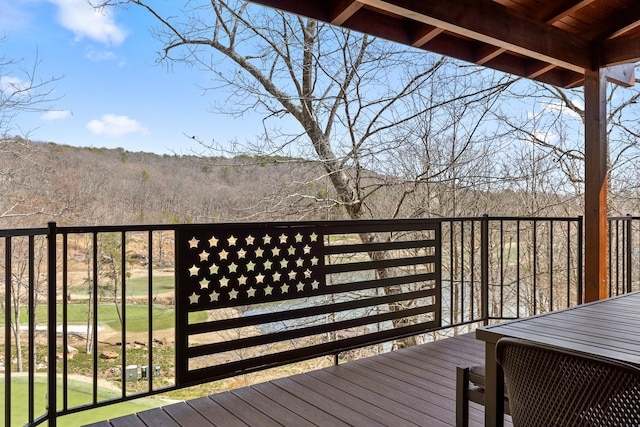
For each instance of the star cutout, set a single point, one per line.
(266, 239)
(314, 261)
(193, 243)
(315, 284)
(298, 238)
(214, 296)
(249, 239)
(213, 242)
(251, 265)
(194, 270)
(260, 278)
(292, 250)
(275, 251)
(233, 294)
(284, 288)
(251, 292)
(307, 273)
(267, 265)
(213, 269)
(223, 254)
(242, 280)
(300, 286)
(299, 262)
(307, 249)
(283, 238)
(283, 263)
(233, 267)
(292, 275)
(204, 256)
(232, 241)
(224, 282)
(242, 253)
(193, 298)
(268, 290)
(259, 252)
(204, 284)
(276, 277)
(314, 237)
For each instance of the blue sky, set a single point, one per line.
(111, 91)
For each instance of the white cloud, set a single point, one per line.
(13, 86)
(113, 125)
(55, 115)
(85, 21)
(101, 55)
(557, 106)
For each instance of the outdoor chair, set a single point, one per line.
(470, 382)
(548, 386)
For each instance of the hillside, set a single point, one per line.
(81, 186)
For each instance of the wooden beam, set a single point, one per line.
(559, 9)
(504, 29)
(621, 50)
(345, 10)
(487, 52)
(596, 182)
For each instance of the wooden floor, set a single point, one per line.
(409, 387)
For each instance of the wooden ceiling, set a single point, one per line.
(552, 41)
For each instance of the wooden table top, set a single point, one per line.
(608, 328)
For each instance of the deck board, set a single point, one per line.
(409, 387)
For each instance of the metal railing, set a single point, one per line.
(244, 297)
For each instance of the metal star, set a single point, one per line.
(267, 265)
(251, 292)
(314, 261)
(204, 284)
(223, 254)
(298, 238)
(292, 250)
(193, 298)
(284, 289)
(213, 269)
(242, 280)
(251, 265)
(292, 275)
(232, 241)
(260, 278)
(307, 249)
(275, 251)
(307, 273)
(314, 237)
(268, 290)
(299, 262)
(242, 253)
(193, 243)
(224, 282)
(276, 277)
(194, 270)
(315, 284)
(259, 252)
(283, 238)
(249, 239)
(266, 239)
(233, 294)
(214, 296)
(300, 286)
(283, 263)
(213, 242)
(204, 256)
(233, 267)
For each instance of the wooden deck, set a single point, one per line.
(409, 387)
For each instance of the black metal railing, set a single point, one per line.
(244, 297)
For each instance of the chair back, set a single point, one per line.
(548, 386)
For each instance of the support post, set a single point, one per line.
(596, 183)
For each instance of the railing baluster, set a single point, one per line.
(7, 331)
(52, 393)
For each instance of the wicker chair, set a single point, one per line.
(470, 382)
(548, 387)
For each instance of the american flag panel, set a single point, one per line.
(218, 268)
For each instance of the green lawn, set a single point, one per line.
(79, 393)
(137, 286)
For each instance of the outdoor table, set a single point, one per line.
(608, 328)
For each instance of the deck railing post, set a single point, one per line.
(484, 266)
(628, 224)
(580, 259)
(51, 325)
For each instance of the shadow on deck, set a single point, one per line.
(410, 387)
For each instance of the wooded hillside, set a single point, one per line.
(44, 182)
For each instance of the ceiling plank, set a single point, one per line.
(487, 52)
(620, 50)
(505, 29)
(559, 10)
(617, 26)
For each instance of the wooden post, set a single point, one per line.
(596, 183)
